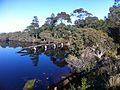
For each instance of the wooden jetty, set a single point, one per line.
(54, 45)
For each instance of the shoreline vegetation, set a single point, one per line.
(94, 50)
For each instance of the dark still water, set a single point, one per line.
(18, 67)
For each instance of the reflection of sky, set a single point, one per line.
(15, 69)
(15, 15)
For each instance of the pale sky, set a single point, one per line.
(15, 15)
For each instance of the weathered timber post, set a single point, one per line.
(62, 45)
(45, 47)
(54, 46)
(35, 49)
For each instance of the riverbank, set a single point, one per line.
(26, 37)
(17, 36)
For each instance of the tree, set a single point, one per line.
(116, 2)
(63, 16)
(81, 14)
(51, 21)
(98, 42)
(89, 46)
(91, 22)
(33, 28)
(35, 22)
(62, 31)
(113, 22)
(35, 25)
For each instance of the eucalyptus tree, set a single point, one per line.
(35, 25)
(113, 22)
(63, 16)
(51, 21)
(58, 31)
(62, 31)
(81, 14)
(91, 22)
(33, 28)
(116, 2)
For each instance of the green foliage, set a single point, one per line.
(81, 13)
(113, 23)
(29, 84)
(50, 22)
(72, 87)
(117, 2)
(84, 84)
(83, 38)
(87, 46)
(91, 22)
(33, 29)
(63, 16)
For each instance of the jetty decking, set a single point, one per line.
(54, 45)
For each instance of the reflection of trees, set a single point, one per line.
(4, 44)
(35, 59)
(58, 62)
(34, 56)
(14, 44)
(56, 55)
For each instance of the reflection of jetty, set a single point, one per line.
(57, 52)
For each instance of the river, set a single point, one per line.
(16, 68)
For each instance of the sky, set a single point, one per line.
(16, 15)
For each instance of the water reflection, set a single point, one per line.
(33, 56)
(14, 44)
(47, 66)
(57, 55)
